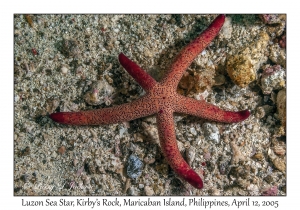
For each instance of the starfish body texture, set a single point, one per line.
(162, 100)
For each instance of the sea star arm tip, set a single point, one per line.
(243, 115)
(140, 75)
(191, 51)
(194, 179)
(110, 115)
(69, 118)
(57, 117)
(171, 152)
(202, 109)
(232, 117)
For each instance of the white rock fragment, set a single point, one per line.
(260, 112)
(226, 29)
(64, 70)
(193, 131)
(100, 92)
(181, 146)
(253, 189)
(278, 55)
(149, 191)
(51, 105)
(54, 154)
(278, 162)
(98, 162)
(88, 32)
(273, 78)
(68, 106)
(151, 132)
(237, 155)
(17, 98)
(122, 131)
(190, 154)
(211, 132)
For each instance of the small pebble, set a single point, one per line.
(279, 150)
(86, 180)
(62, 150)
(219, 79)
(75, 161)
(134, 168)
(138, 137)
(149, 191)
(215, 192)
(282, 41)
(278, 55)
(100, 92)
(226, 30)
(237, 155)
(88, 32)
(24, 152)
(223, 167)
(64, 70)
(253, 189)
(281, 106)
(241, 70)
(272, 191)
(260, 112)
(242, 66)
(54, 154)
(211, 132)
(258, 156)
(127, 185)
(17, 98)
(270, 18)
(70, 48)
(190, 154)
(51, 105)
(25, 177)
(273, 78)
(91, 167)
(132, 191)
(193, 131)
(207, 156)
(279, 163)
(268, 179)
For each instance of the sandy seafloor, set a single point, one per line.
(59, 62)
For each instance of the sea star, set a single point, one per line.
(162, 100)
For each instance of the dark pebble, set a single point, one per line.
(134, 167)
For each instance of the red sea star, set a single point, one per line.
(162, 100)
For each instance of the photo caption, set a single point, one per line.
(207, 203)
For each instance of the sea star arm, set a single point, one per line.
(121, 113)
(208, 111)
(190, 52)
(140, 75)
(171, 152)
